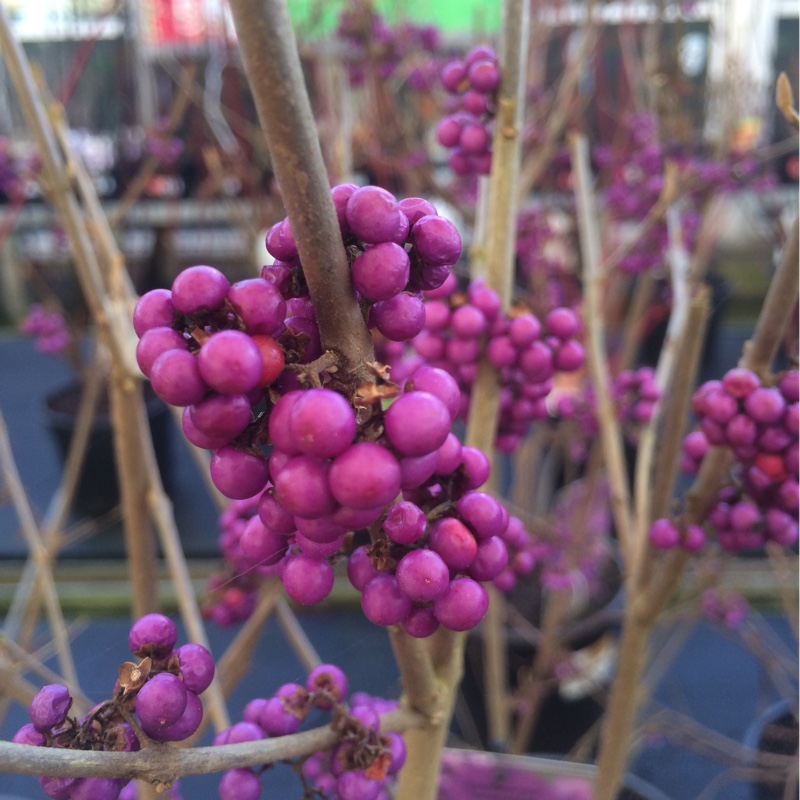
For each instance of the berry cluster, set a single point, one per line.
(634, 393)
(760, 426)
(726, 607)
(547, 256)
(228, 352)
(477, 540)
(324, 484)
(437, 547)
(665, 534)
(210, 346)
(370, 43)
(466, 132)
(396, 250)
(232, 592)
(634, 174)
(357, 768)
(465, 326)
(162, 690)
(48, 328)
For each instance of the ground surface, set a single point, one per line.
(714, 679)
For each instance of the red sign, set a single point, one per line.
(167, 23)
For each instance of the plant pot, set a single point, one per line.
(97, 490)
(570, 710)
(774, 731)
(471, 775)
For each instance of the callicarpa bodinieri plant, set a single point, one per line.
(355, 397)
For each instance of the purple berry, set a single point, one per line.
(381, 272)
(240, 784)
(307, 580)
(303, 487)
(436, 241)
(238, 474)
(374, 216)
(176, 379)
(197, 667)
(384, 602)
(152, 635)
(422, 575)
(664, 535)
(400, 318)
(365, 476)
(330, 679)
(154, 309)
(230, 362)
(417, 423)
(161, 700)
(200, 288)
(322, 423)
(49, 707)
(463, 604)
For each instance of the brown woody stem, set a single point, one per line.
(272, 64)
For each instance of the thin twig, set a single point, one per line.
(23, 612)
(133, 191)
(30, 662)
(297, 637)
(495, 253)
(558, 113)
(33, 539)
(786, 578)
(234, 662)
(610, 433)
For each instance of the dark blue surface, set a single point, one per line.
(719, 682)
(26, 378)
(714, 679)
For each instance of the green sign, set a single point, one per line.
(314, 18)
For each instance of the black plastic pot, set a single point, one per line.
(564, 717)
(774, 731)
(97, 491)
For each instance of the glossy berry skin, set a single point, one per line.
(152, 634)
(384, 602)
(422, 575)
(197, 667)
(240, 784)
(153, 309)
(187, 724)
(307, 580)
(277, 720)
(200, 288)
(161, 701)
(417, 423)
(664, 535)
(365, 476)
(238, 474)
(322, 423)
(463, 605)
(175, 377)
(49, 707)
(230, 362)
